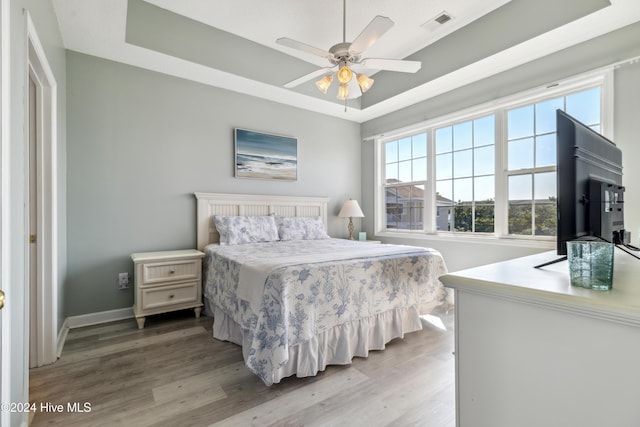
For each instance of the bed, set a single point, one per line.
(297, 300)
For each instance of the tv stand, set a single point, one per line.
(532, 350)
(544, 264)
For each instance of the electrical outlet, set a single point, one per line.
(123, 280)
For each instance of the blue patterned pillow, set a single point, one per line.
(238, 230)
(301, 228)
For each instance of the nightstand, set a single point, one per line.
(167, 281)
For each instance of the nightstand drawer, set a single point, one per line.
(169, 295)
(159, 272)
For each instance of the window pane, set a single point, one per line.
(484, 160)
(463, 190)
(420, 169)
(405, 207)
(546, 115)
(419, 144)
(462, 136)
(444, 140)
(444, 218)
(520, 218)
(546, 150)
(463, 217)
(462, 164)
(393, 208)
(544, 186)
(484, 131)
(520, 122)
(391, 151)
(484, 218)
(404, 149)
(417, 208)
(545, 203)
(520, 188)
(521, 154)
(444, 166)
(585, 106)
(484, 189)
(546, 219)
(404, 171)
(444, 191)
(391, 173)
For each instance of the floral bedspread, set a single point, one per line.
(300, 301)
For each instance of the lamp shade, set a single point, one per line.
(364, 82)
(324, 83)
(345, 74)
(351, 209)
(343, 91)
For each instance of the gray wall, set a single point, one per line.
(602, 51)
(140, 143)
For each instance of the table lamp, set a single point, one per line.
(351, 209)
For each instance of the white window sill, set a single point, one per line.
(548, 244)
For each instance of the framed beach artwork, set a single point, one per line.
(265, 156)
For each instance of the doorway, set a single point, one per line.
(41, 195)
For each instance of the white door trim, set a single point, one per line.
(5, 253)
(47, 240)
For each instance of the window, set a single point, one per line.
(531, 148)
(465, 175)
(487, 171)
(405, 179)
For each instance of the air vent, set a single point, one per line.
(435, 22)
(443, 18)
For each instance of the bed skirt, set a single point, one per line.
(337, 346)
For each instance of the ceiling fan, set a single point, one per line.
(343, 56)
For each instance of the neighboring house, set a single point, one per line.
(405, 207)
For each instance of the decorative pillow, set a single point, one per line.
(301, 228)
(237, 230)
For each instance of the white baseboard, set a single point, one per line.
(62, 336)
(100, 317)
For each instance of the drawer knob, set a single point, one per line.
(172, 271)
(171, 296)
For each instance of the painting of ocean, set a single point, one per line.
(265, 156)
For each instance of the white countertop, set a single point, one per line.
(549, 286)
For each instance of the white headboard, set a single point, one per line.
(210, 204)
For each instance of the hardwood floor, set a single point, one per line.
(173, 373)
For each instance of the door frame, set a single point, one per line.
(47, 197)
(5, 327)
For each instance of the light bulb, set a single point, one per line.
(345, 74)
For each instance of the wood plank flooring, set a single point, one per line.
(173, 373)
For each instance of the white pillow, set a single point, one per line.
(238, 230)
(300, 228)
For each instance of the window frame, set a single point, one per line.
(602, 78)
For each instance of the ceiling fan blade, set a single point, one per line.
(376, 28)
(307, 77)
(294, 44)
(391, 65)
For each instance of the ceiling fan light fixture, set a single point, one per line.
(364, 82)
(343, 91)
(324, 83)
(345, 74)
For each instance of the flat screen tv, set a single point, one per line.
(589, 184)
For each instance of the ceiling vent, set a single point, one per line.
(435, 23)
